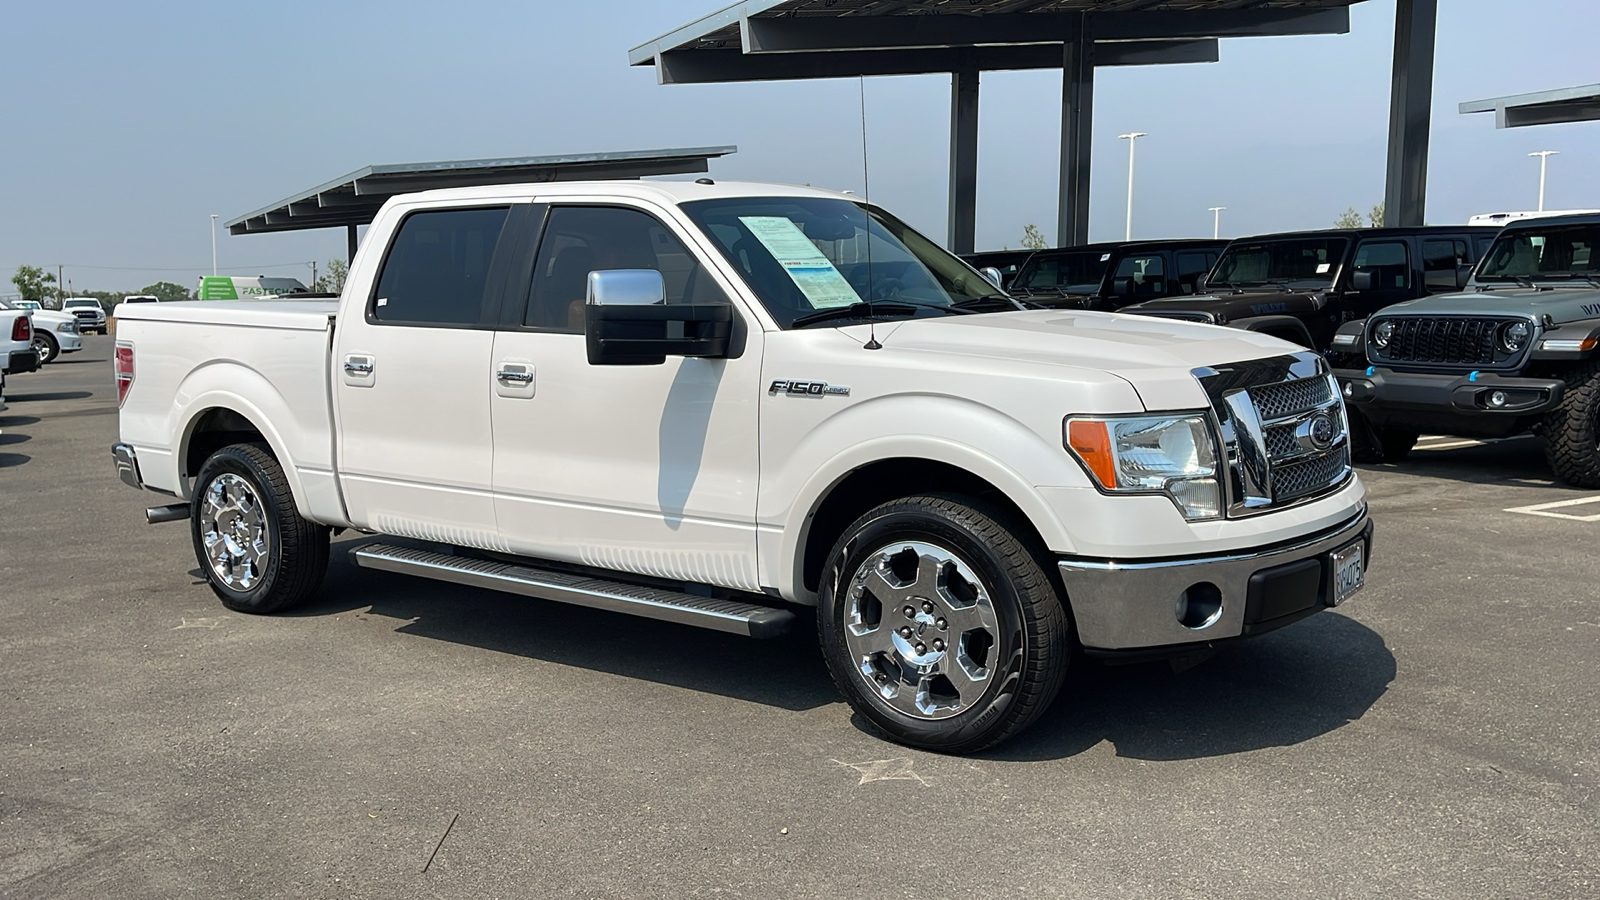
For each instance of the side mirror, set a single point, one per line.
(1200, 285)
(993, 276)
(1361, 280)
(1122, 287)
(1463, 276)
(628, 321)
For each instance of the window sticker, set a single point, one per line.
(1104, 257)
(810, 271)
(1322, 268)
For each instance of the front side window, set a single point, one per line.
(582, 239)
(437, 268)
(812, 260)
(1306, 262)
(1442, 258)
(1556, 252)
(1146, 275)
(1388, 262)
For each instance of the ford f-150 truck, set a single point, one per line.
(711, 403)
(1518, 351)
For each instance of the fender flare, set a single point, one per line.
(1276, 325)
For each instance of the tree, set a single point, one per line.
(1033, 238)
(1376, 216)
(32, 281)
(333, 281)
(1348, 219)
(166, 291)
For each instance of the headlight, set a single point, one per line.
(1382, 334)
(67, 327)
(1515, 336)
(1172, 455)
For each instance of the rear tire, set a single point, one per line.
(47, 347)
(1571, 441)
(258, 554)
(1371, 443)
(941, 625)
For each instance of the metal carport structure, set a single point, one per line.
(355, 199)
(759, 40)
(1574, 104)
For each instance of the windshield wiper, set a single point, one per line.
(861, 309)
(972, 304)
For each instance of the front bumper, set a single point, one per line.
(22, 361)
(1134, 605)
(1461, 394)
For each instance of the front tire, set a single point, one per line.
(47, 347)
(258, 554)
(1572, 444)
(1371, 443)
(940, 624)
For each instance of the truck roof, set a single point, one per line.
(1373, 232)
(671, 192)
(1585, 218)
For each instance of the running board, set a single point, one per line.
(749, 619)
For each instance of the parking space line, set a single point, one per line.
(1449, 445)
(1544, 509)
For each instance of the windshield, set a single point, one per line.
(1072, 272)
(1311, 261)
(82, 304)
(805, 256)
(1556, 252)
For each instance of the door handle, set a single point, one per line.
(357, 365)
(515, 376)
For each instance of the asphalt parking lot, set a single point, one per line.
(1436, 737)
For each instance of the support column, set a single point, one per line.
(963, 161)
(1077, 119)
(350, 243)
(1410, 101)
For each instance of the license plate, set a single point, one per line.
(1348, 572)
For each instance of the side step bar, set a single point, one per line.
(731, 616)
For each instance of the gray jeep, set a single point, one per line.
(1518, 350)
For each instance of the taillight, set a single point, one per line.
(22, 330)
(124, 370)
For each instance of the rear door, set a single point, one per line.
(650, 469)
(412, 375)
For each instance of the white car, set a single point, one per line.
(54, 333)
(712, 402)
(16, 347)
(91, 315)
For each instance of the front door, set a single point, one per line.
(411, 379)
(644, 469)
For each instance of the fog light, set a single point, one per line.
(1498, 398)
(1200, 606)
(1349, 389)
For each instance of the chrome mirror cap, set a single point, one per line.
(626, 287)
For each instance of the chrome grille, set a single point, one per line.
(1284, 427)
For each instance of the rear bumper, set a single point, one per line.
(1461, 394)
(127, 463)
(1129, 605)
(22, 361)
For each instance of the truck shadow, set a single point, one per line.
(49, 395)
(1280, 689)
(1285, 688)
(1518, 461)
(9, 438)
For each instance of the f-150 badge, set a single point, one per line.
(808, 389)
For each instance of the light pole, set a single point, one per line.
(1544, 157)
(1216, 220)
(213, 245)
(1130, 137)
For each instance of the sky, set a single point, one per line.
(129, 124)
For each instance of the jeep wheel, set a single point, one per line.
(1371, 443)
(1570, 432)
(258, 554)
(941, 625)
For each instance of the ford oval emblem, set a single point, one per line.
(1321, 431)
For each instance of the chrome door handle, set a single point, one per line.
(358, 367)
(515, 376)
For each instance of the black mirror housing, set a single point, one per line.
(1361, 280)
(647, 335)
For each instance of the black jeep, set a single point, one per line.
(1518, 350)
(1112, 275)
(1303, 285)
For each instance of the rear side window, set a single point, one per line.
(583, 239)
(438, 267)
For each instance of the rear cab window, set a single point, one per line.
(436, 270)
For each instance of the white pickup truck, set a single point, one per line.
(712, 403)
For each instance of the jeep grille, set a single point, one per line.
(1445, 340)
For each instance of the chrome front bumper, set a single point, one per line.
(1127, 605)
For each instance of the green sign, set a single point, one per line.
(218, 288)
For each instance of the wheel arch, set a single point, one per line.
(1287, 328)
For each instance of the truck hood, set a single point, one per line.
(1156, 356)
(1562, 304)
(1231, 306)
(51, 316)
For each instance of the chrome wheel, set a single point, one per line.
(45, 348)
(921, 629)
(233, 529)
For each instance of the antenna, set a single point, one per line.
(866, 187)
